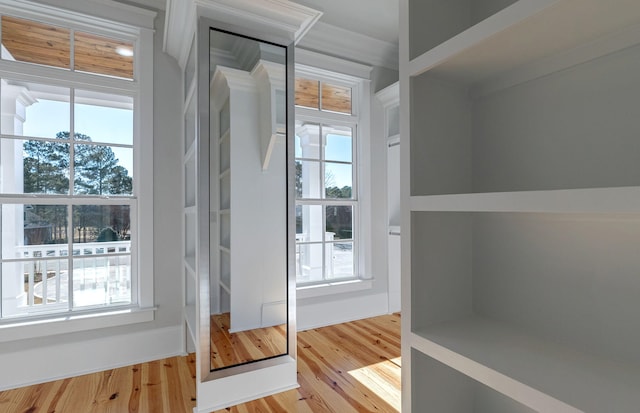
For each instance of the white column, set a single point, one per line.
(15, 100)
(310, 141)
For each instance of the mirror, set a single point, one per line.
(248, 205)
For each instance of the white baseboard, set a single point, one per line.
(54, 362)
(335, 311)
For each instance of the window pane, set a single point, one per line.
(34, 286)
(338, 143)
(33, 42)
(103, 170)
(34, 167)
(307, 93)
(31, 231)
(309, 262)
(100, 55)
(308, 140)
(108, 224)
(339, 222)
(309, 223)
(338, 180)
(308, 179)
(105, 118)
(44, 109)
(102, 280)
(336, 98)
(340, 260)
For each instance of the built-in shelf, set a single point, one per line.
(190, 264)
(590, 200)
(538, 373)
(225, 287)
(524, 32)
(225, 136)
(394, 230)
(225, 250)
(522, 212)
(190, 319)
(190, 209)
(189, 154)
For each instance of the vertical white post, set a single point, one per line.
(15, 100)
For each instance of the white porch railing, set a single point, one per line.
(101, 274)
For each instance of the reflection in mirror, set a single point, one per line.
(248, 200)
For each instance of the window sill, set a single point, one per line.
(338, 287)
(63, 324)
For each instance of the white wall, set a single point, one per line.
(43, 359)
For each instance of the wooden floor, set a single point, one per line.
(228, 349)
(351, 367)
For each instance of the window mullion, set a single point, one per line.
(70, 257)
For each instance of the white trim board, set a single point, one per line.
(340, 310)
(58, 361)
(332, 40)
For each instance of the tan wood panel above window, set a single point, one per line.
(34, 42)
(336, 98)
(104, 56)
(307, 93)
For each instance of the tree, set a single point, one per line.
(46, 166)
(96, 172)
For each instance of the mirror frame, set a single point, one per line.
(203, 252)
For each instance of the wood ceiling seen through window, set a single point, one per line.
(324, 96)
(39, 43)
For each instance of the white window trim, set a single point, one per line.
(342, 72)
(124, 22)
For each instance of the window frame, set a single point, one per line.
(121, 22)
(358, 121)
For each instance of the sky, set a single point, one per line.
(109, 125)
(338, 148)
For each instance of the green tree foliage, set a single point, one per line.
(45, 167)
(96, 172)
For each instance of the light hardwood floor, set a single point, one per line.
(351, 367)
(228, 349)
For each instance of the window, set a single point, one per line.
(327, 203)
(73, 180)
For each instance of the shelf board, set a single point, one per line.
(189, 154)
(225, 287)
(190, 319)
(225, 136)
(394, 230)
(190, 264)
(190, 209)
(226, 211)
(225, 249)
(538, 373)
(589, 200)
(526, 31)
(225, 173)
(393, 140)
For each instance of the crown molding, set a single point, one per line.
(390, 95)
(332, 40)
(282, 20)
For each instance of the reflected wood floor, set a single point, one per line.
(228, 349)
(350, 367)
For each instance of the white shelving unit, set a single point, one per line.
(389, 97)
(189, 205)
(521, 205)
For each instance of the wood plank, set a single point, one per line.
(34, 42)
(351, 367)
